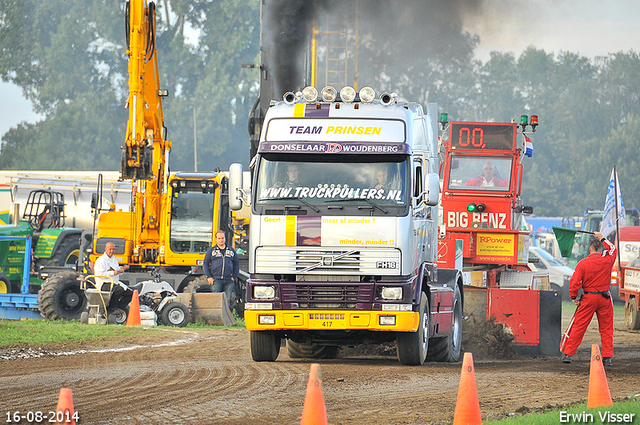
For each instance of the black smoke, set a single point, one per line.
(392, 34)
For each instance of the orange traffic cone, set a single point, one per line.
(134, 310)
(467, 406)
(64, 411)
(314, 411)
(599, 394)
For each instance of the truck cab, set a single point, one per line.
(343, 231)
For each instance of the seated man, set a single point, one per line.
(488, 178)
(382, 180)
(107, 265)
(293, 177)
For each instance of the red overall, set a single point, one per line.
(594, 275)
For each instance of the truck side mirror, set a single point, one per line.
(94, 201)
(432, 187)
(236, 194)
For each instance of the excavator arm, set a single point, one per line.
(145, 150)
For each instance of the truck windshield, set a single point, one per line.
(479, 173)
(191, 221)
(327, 180)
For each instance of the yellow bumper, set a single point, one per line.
(326, 320)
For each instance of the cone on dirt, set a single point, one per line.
(64, 410)
(467, 406)
(314, 411)
(134, 310)
(599, 394)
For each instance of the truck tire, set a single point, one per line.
(631, 315)
(447, 349)
(265, 346)
(297, 350)
(5, 284)
(175, 314)
(413, 346)
(66, 255)
(60, 297)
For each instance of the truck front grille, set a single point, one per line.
(326, 296)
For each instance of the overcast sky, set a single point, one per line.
(587, 27)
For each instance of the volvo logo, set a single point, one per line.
(327, 261)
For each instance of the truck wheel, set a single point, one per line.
(631, 315)
(413, 346)
(66, 255)
(447, 349)
(175, 314)
(5, 284)
(60, 297)
(297, 350)
(265, 346)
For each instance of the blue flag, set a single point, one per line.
(614, 196)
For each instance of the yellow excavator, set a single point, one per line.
(172, 217)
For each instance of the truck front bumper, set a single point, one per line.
(391, 321)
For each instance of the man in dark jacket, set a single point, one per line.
(221, 266)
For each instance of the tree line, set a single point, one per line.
(70, 60)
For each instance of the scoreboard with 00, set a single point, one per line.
(477, 136)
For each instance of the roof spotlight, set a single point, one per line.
(367, 94)
(289, 98)
(309, 94)
(347, 94)
(329, 94)
(388, 98)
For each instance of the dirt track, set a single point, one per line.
(208, 377)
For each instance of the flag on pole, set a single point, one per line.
(528, 146)
(565, 239)
(612, 205)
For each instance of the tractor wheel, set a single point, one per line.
(447, 349)
(117, 316)
(60, 297)
(265, 346)
(5, 284)
(66, 255)
(297, 350)
(175, 314)
(631, 314)
(413, 346)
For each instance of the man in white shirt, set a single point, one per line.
(107, 265)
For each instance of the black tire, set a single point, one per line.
(447, 349)
(237, 301)
(200, 282)
(117, 316)
(413, 346)
(297, 350)
(66, 255)
(60, 297)
(175, 314)
(631, 314)
(5, 284)
(265, 346)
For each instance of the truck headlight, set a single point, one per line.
(391, 293)
(264, 292)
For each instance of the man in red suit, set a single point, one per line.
(593, 275)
